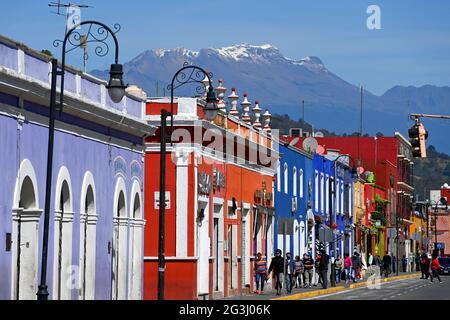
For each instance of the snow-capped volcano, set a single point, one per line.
(281, 83)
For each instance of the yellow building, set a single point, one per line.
(359, 210)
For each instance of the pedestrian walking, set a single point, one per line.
(418, 262)
(289, 272)
(435, 267)
(323, 268)
(356, 265)
(338, 267)
(370, 260)
(277, 266)
(425, 266)
(260, 273)
(298, 272)
(317, 273)
(387, 263)
(308, 264)
(347, 267)
(394, 263)
(404, 263)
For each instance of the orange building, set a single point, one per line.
(219, 191)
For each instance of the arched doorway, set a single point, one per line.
(63, 269)
(88, 226)
(25, 234)
(120, 237)
(136, 243)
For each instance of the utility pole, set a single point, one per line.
(303, 112)
(398, 235)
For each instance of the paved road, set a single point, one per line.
(411, 289)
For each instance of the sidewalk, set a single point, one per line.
(302, 293)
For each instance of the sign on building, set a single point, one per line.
(157, 200)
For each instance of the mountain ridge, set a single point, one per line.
(281, 83)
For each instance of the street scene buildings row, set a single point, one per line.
(235, 187)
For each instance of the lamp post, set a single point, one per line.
(186, 75)
(332, 188)
(99, 33)
(429, 204)
(398, 238)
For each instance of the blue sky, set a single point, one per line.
(412, 48)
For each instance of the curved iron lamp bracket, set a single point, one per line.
(97, 33)
(186, 75)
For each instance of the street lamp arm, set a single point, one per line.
(341, 156)
(186, 75)
(97, 33)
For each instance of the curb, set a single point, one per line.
(316, 293)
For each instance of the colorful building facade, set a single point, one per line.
(293, 199)
(332, 205)
(95, 248)
(390, 159)
(221, 207)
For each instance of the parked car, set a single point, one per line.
(445, 263)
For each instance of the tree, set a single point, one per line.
(447, 170)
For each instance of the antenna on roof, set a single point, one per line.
(60, 5)
(73, 18)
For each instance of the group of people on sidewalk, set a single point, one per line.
(307, 272)
(303, 272)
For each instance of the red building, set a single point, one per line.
(220, 208)
(390, 159)
(439, 216)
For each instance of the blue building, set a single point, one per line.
(95, 248)
(293, 199)
(332, 201)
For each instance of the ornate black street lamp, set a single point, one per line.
(97, 33)
(186, 75)
(332, 188)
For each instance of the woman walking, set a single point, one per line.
(348, 265)
(260, 272)
(435, 267)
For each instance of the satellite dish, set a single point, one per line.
(294, 141)
(320, 150)
(310, 145)
(319, 134)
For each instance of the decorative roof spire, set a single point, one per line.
(257, 111)
(205, 82)
(246, 110)
(220, 90)
(233, 98)
(267, 116)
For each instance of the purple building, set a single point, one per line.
(96, 218)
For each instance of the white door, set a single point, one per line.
(203, 251)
